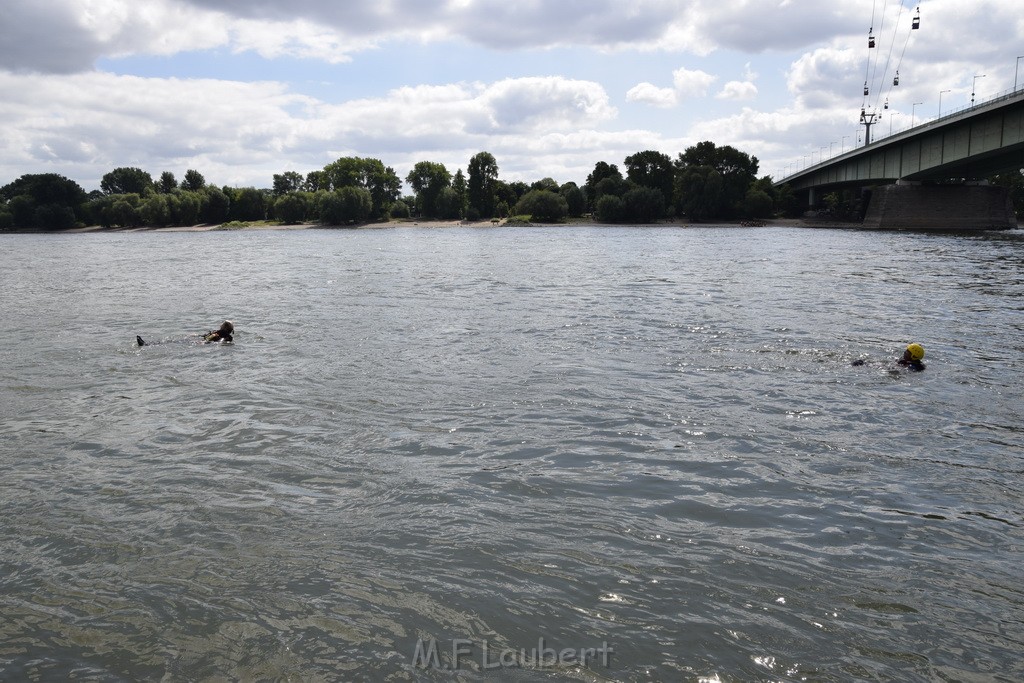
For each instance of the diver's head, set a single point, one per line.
(914, 352)
(227, 327)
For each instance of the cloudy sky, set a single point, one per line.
(242, 89)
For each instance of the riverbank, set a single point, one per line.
(426, 223)
(818, 223)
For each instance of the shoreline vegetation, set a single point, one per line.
(515, 221)
(705, 185)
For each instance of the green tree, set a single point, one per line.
(167, 183)
(286, 182)
(758, 204)
(427, 179)
(700, 191)
(574, 198)
(614, 185)
(194, 181)
(483, 175)
(461, 189)
(346, 205)
(45, 188)
(54, 217)
(543, 206)
(736, 170)
(786, 202)
(449, 204)
(125, 211)
(643, 205)
(216, 205)
(601, 171)
(316, 181)
(127, 181)
(247, 204)
(155, 211)
(379, 180)
(23, 211)
(651, 169)
(292, 208)
(187, 207)
(399, 209)
(609, 209)
(44, 201)
(548, 184)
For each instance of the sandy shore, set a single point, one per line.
(421, 223)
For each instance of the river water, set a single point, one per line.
(507, 450)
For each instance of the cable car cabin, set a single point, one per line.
(896, 79)
(871, 40)
(916, 24)
(865, 88)
(886, 103)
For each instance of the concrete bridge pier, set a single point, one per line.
(940, 207)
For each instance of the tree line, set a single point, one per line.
(705, 182)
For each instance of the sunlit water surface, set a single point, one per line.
(650, 438)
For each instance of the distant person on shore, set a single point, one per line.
(911, 358)
(221, 334)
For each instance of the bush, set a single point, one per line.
(124, 213)
(185, 208)
(155, 210)
(399, 209)
(758, 204)
(544, 206)
(642, 205)
(449, 204)
(291, 208)
(215, 205)
(344, 206)
(609, 209)
(6, 220)
(54, 217)
(574, 198)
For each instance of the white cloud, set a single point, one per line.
(691, 84)
(646, 93)
(241, 133)
(738, 90)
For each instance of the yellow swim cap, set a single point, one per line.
(916, 351)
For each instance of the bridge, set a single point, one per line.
(911, 171)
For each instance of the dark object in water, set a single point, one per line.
(139, 341)
(858, 362)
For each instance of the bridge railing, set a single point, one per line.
(952, 113)
(926, 123)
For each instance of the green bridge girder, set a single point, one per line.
(974, 144)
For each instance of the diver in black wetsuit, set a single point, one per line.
(222, 334)
(911, 358)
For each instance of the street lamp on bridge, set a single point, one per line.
(940, 102)
(843, 145)
(974, 86)
(913, 110)
(1015, 69)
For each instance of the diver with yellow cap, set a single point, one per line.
(912, 357)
